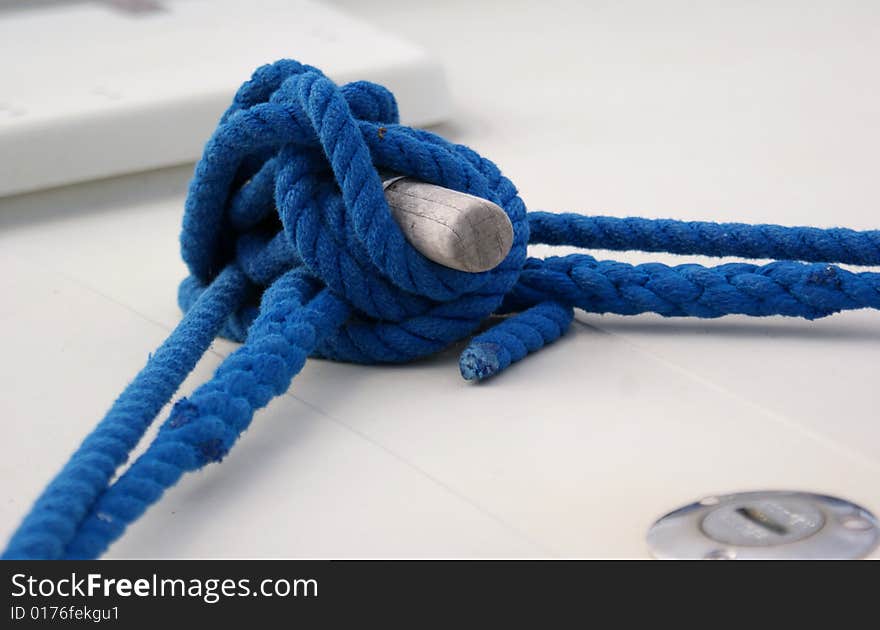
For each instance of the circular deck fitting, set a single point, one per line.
(765, 525)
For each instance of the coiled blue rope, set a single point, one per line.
(292, 250)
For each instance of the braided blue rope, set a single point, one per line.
(202, 428)
(56, 514)
(292, 250)
(807, 244)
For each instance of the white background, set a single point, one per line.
(749, 111)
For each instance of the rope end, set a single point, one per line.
(482, 360)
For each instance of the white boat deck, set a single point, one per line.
(663, 110)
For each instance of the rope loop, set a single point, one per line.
(291, 179)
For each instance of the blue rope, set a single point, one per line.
(55, 516)
(808, 244)
(292, 251)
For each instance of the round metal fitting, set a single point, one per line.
(765, 525)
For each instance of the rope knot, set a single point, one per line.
(292, 179)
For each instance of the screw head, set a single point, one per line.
(856, 523)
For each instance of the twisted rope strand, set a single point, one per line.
(809, 290)
(510, 341)
(807, 244)
(202, 428)
(52, 521)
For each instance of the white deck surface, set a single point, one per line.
(636, 108)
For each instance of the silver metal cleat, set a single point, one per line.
(451, 228)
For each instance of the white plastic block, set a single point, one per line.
(90, 90)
